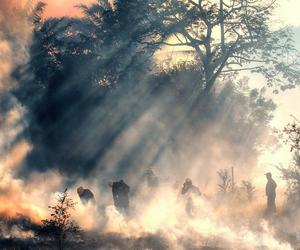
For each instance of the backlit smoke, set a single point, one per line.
(15, 36)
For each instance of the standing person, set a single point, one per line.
(271, 194)
(120, 191)
(191, 192)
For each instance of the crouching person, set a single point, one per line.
(86, 196)
(120, 192)
(190, 192)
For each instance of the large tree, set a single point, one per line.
(233, 35)
(74, 123)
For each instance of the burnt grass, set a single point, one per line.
(95, 241)
(87, 240)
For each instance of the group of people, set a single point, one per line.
(120, 193)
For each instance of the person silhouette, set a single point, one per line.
(85, 196)
(271, 194)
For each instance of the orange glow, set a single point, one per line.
(59, 8)
(54, 8)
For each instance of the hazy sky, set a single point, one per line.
(289, 9)
(64, 7)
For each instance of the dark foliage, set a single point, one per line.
(292, 134)
(89, 80)
(60, 226)
(232, 36)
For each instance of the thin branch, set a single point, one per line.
(250, 60)
(243, 69)
(177, 44)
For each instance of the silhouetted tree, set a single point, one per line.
(89, 79)
(292, 132)
(123, 33)
(292, 177)
(60, 225)
(232, 36)
(291, 174)
(225, 180)
(249, 189)
(80, 64)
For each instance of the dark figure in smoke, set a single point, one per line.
(191, 192)
(271, 194)
(120, 191)
(152, 179)
(85, 196)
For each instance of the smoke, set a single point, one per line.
(163, 217)
(12, 49)
(17, 195)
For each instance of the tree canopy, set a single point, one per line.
(90, 79)
(226, 37)
(234, 35)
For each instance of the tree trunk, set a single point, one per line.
(209, 85)
(209, 78)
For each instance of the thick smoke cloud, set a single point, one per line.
(16, 194)
(14, 40)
